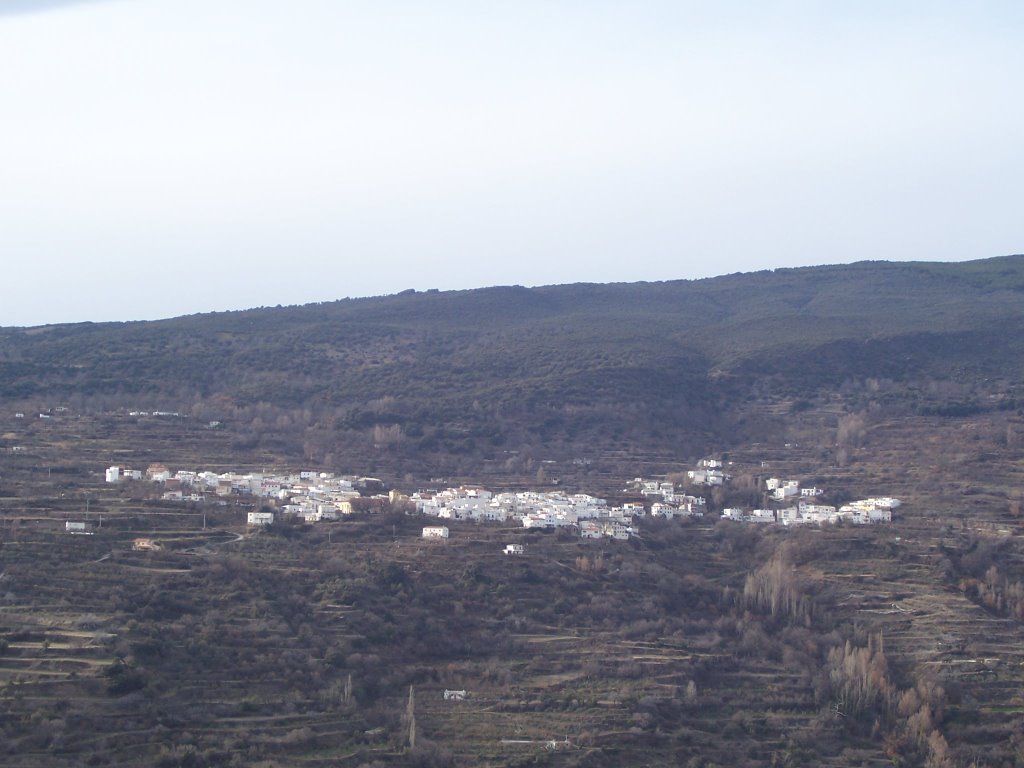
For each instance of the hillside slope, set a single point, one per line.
(471, 374)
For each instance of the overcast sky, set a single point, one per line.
(165, 157)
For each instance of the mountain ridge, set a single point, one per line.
(977, 271)
(462, 375)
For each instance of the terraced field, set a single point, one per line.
(299, 645)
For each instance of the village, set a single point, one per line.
(323, 496)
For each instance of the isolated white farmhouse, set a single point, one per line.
(260, 518)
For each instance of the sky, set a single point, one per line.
(167, 157)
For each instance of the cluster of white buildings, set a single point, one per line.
(317, 496)
(670, 502)
(708, 472)
(611, 528)
(593, 517)
(781, 490)
(314, 496)
(802, 509)
(863, 512)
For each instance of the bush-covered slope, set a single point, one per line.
(470, 372)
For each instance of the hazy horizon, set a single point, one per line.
(168, 157)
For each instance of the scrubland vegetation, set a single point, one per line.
(698, 643)
(701, 642)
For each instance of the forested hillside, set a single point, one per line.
(458, 377)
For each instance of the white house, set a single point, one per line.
(546, 518)
(615, 529)
(435, 532)
(185, 477)
(113, 474)
(791, 516)
(880, 515)
(662, 510)
(785, 491)
(869, 510)
(885, 502)
(689, 509)
(514, 549)
(158, 473)
(633, 509)
(260, 518)
(821, 510)
(706, 476)
(618, 530)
